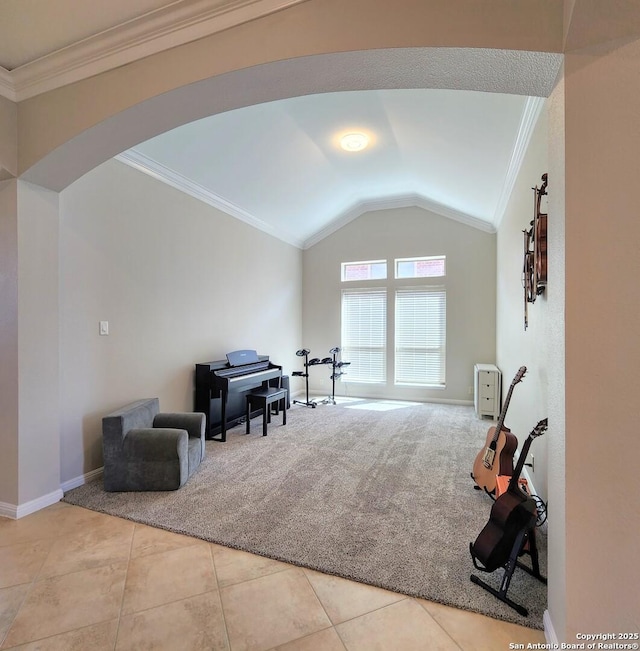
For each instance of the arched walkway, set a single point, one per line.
(504, 71)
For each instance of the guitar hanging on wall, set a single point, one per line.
(534, 271)
(496, 457)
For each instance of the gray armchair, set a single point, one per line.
(145, 450)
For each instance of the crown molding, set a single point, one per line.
(164, 28)
(160, 172)
(7, 89)
(530, 114)
(399, 201)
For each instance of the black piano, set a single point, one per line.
(222, 386)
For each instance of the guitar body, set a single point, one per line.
(511, 513)
(496, 457)
(505, 446)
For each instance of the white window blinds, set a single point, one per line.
(364, 334)
(420, 335)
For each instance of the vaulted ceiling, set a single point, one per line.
(278, 165)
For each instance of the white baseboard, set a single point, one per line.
(549, 631)
(8, 510)
(17, 511)
(318, 393)
(81, 480)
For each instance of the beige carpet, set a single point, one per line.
(372, 491)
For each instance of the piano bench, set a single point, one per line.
(263, 399)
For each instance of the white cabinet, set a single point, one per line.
(487, 381)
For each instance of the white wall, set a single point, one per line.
(39, 400)
(556, 475)
(179, 283)
(402, 233)
(515, 346)
(602, 263)
(29, 399)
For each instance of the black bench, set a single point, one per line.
(263, 399)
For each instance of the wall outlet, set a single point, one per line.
(104, 328)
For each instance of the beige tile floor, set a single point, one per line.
(72, 579)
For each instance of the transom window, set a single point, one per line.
(368, 270)
(431, 267)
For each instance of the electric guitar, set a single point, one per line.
(513, 512)
(496, 457)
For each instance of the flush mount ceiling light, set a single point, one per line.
(354, 141)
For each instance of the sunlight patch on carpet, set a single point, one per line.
(382, 405)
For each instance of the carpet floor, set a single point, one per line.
(373, 491)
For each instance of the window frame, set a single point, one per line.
(389, 356)
(425, 258)
(345, 265)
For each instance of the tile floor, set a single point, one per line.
(72, 579)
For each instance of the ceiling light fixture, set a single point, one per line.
(354, 141)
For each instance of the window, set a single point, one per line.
(420, 267)
(372, 270)
(410, 333)
(364, 334)
(420, 333)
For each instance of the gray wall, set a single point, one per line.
(403, 233)
(179, 283)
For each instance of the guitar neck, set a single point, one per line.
(507, 400)
(503, 413)
(538, 430)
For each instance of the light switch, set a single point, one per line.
(104, 327)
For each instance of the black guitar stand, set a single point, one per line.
(525, 535)
(304, 352)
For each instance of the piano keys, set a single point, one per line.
(222, 386)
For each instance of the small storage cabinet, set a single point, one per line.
(487, 381)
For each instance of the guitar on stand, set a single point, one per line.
(511, 524)
(496, 457)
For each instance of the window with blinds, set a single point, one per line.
(420, 336)
(364, 334)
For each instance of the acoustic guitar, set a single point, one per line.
(513, 512)
(496, 457)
